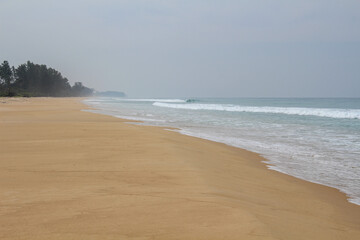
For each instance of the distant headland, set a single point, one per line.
(109, 94)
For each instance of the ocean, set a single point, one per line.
(315, 139)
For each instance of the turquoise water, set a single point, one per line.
(314, 139)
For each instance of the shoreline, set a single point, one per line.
(166, 186)
(267, 160)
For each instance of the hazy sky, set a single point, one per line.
(190, 48)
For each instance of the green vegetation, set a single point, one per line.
(34, 80)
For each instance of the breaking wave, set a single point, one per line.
(152, 100)
(319, 112)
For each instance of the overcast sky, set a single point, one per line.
(190, 48)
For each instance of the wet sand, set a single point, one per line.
(69, 174)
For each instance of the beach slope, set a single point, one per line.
(70, 174)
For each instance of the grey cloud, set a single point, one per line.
(191, 48)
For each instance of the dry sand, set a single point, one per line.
(68, 174)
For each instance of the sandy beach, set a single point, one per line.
(70, 174)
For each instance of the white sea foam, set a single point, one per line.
(151, 100)
(320, 112)
(139, 118)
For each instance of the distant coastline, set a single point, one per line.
(109, 94)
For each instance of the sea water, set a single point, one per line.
(313, 139)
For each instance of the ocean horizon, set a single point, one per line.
(315, 139)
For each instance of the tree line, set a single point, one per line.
(34, 80)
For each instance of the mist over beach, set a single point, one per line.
(179, 119)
